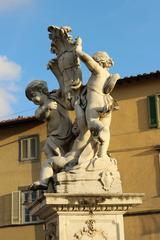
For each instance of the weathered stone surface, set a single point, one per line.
(92, 104)
(100, 175)
(84, 216)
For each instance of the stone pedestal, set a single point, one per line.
(99, 175)
(84, 216)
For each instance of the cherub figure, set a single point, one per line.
(99, 101)
(59, 126)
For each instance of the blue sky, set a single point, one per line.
(128, 30)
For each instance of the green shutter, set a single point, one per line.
(152, 109)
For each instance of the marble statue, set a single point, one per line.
(99, 102)
(59, 136)
(82, 190)
(82, 155)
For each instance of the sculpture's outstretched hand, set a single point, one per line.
(52, 105)
(78, 44)
(65, 30)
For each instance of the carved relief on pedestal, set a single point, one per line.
(89, 231)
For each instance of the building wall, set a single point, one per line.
(16, 175)
(142, 227)
(133, 145)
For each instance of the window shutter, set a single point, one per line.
(16, 207)
(28, 148)
(153, 114)
(33, 147)
(158, 110)
(25, 149)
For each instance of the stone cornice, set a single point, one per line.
(51, 203)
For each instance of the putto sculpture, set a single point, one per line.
(76, 150)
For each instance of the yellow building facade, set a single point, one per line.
(16, 174)
(135, 143)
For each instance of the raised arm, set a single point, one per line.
(44, 111)
(92, 65)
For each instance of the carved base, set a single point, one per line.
(84, 216)
(85, 227)
(99, 175)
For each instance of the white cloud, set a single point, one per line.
(10, 4)
(6, 100)
(10, 73)
(9, 70)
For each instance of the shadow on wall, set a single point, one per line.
(39, 232)
(5, 209)
(150, 226)
(9, 131)
(142, 227)
(128, 91)
(136, 88)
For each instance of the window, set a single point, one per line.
(28, 148)
(154, 110)
(27, 198)
(20, 202)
